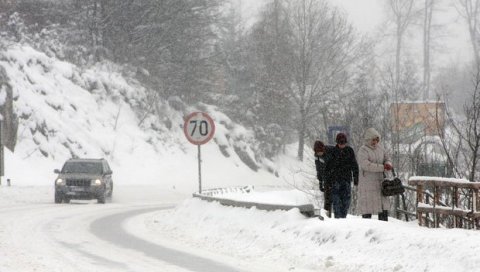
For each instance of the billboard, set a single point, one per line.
(413, 120)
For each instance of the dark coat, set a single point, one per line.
(341, 165)
(321, 163)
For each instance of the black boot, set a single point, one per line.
(383, 216)
(368, 215)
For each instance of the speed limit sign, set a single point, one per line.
(199, 128)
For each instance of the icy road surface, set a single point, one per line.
(38, 235)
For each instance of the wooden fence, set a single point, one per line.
(454, 203)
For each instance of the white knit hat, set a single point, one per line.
(370, 134)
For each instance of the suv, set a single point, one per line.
(84, 179)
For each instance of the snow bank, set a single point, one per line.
(289, 239)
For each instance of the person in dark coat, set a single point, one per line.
(321, 157)
(341, 169)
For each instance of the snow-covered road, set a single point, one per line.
(109, 228)
(48, 237)
(37, 235)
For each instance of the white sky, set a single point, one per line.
(450, 41)
(366, 15)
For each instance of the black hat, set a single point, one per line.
(341, 138)
(318, 147)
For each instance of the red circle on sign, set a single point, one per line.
(193, 126)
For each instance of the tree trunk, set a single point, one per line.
(426, 47)
(471, 16)
(474, 166)
(301, 135)
(397, 59)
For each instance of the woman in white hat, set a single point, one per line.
(373, 160)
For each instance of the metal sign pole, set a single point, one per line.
(199, 171)
(2, 159)
(199, 128)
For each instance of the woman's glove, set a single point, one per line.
(387, 166)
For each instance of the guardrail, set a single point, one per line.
(208, 195)
(221, 191)
(457, 215)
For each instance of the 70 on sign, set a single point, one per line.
(203, 127)
(199, 128)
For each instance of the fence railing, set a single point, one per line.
(445, 203)
(404, 208)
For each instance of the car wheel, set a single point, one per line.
(101, 199)
(111, 191)
(58, 198)
(109, 197)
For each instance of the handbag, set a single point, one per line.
(393, 186)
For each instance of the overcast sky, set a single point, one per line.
(450, 39)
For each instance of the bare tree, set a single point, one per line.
(403, 13)
(470, 133)
(315, 49)
(470, 11)
(463, 146)
(427, 27)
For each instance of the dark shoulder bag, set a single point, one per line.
(393, 186)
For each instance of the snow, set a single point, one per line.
(91, 112)
(440, 179)
(291, 240)
(264, 241)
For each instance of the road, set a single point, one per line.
(37, 235)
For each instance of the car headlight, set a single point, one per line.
(96, 182)
(59, 182)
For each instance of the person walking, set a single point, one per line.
(373, 161)
(321, 157)
(341, 169)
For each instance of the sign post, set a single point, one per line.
(2, 156)
(199, 129)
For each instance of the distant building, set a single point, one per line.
(413, 120)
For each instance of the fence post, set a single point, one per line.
(455, 205)
(419, 199)
(405, 207)
(476, 205)
(397, 206)
(436, 200)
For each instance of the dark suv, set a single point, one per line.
(84, 179)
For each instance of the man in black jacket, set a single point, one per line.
(341, 169)
(321, 157)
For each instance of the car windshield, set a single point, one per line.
(82, 167)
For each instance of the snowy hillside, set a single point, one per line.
(66, 111)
